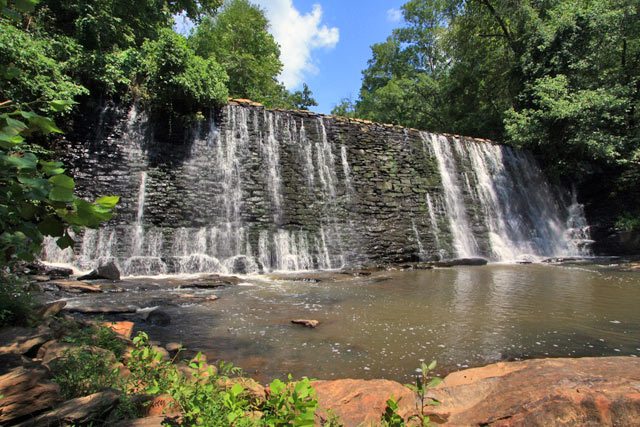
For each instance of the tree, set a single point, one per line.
(300, 100)
(239, 40)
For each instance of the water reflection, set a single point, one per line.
(383, 325)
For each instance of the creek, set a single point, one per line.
(385, 324)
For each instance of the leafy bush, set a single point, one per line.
(16, 302)
(82, 372)
(98, 336)
(628, 221)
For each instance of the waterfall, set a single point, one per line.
(252, 190)
(464, 241)
(345, 169)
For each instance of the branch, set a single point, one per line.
(501, 22)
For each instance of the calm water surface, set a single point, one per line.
(384, 325)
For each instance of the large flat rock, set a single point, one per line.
(544, 392)
(541, 392)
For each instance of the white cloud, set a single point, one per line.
(394, 15)
(298, 35)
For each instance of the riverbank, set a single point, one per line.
(595, 391)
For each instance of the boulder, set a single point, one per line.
(25, 341)
(75, 287)
(58, 272)
(26, 391)
(123, 329)
(158, 318)
(107, 271)
(51, 309)
(161, 405)
(549, 392)
(361, 402)
(309, 323)
(78, 411)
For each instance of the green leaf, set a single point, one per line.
(62, 181)
(431, 365)
(45, 124)
(26, 6)
(51, 226)
(108, 202)
(434, 382)
(236, 389)
(61, 105)
(38, 186)
(51, 168)
(61, 194)
(65, 242)
(27, 161)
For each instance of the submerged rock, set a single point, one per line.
(460, 261)
(107, 271)
(158, 318)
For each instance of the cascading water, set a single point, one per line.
(256, 190)
(464, 241)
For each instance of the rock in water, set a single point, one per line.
(460, 261)
(158, 318)
(107, 271)
(309, 323)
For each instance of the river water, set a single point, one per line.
(384, 324)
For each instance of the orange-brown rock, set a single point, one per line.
(544, 392)
(156, 421)
(26, 391)
(161, 405)
(309, 323)
(359, 402)
(123, 328)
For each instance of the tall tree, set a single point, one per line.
(238, 39)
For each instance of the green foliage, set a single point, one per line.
(82, 372)
(16, 302)
(391, 418)
(36, 197)
(301, 100)
(290, 404)
(628, 221)
(423, 382)
(176, 80)
(207, 397)
(99, 336)
(557, 77)
(239, 40)
(346, 108)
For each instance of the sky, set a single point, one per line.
(326, 43)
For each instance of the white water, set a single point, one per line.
(464, 242)
(494, 202)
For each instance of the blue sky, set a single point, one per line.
(326, 43)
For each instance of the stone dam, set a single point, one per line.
(254, 190)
